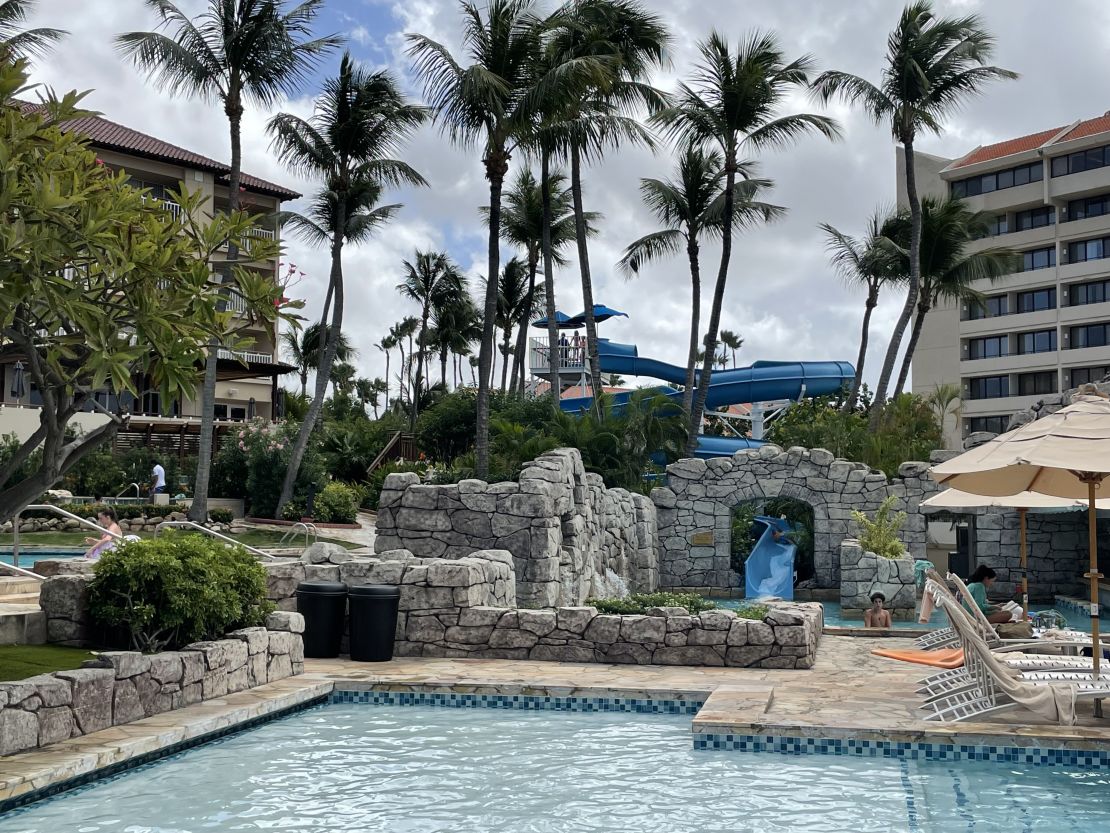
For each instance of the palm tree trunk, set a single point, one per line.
(911, 295)
(554, 360)
(497, 164)
(861, 357)
(419, 365)
(693, 252)
(715, 311)
(520, 355)
(322, 373)
(401, 383)
(198, 510)
(386, 406)
(443, 367)
(584, 268)
(915, 333)
(505, 357)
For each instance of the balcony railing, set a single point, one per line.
(570, 357)
(166, 205)
(256, 232)
(245, 356)
(234, 302)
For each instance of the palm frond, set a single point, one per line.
(651, 247)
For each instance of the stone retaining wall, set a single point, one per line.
(863, 574)
(570, 537)
(50, 708)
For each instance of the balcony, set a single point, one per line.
(245, 356)
(572, 359)
(169, 206)
(1084, 183)
(257, 233)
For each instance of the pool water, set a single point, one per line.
(834, 619)
(29, 557)
(417, 769)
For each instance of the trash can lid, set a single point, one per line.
(322, 588)
(382, 590)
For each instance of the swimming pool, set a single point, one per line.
(419, 769)
(27, 557)
(834, 619)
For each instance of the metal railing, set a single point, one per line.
(212, 533)
(166, 205)
(309, 529)
(56, 510)
(245, 356)
(570, 357)
(128, 488)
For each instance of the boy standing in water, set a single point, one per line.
(877, 616)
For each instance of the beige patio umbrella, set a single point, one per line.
(1065, 455)
(1023, 503)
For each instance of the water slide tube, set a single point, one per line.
(762, 382)
(769, 570)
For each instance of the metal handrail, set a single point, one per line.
(128, 488)
(205, 530)
(20, 571)
(57, 510)
(309, 528)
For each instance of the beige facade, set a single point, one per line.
(1046, 327)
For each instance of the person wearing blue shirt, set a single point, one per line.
(977, 586)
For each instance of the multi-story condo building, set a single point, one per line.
(247, 383)
(1044, 328)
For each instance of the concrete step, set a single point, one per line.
(22, 624)
(18, 584)
(20, 598)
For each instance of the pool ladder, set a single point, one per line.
(195, 527)
(309, 528)
(56, 510)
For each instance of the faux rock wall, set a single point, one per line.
(694, 510)
(570, 537)
(862, 574)
(51, 708)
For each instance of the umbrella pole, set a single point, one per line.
(1024, 568)
(1093, 480)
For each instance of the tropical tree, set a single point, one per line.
(367, 392)
(234, 52)
(732, 342)
(691, 208)
(18, 42)
(455, 327)
(948, 269)
(932, 65)
(360, 119)
(386, 344)
(487, 97)
(302, 349)
(400, 332)
(343, 378)
(433, 281)
(733, 104)
(618, 42)
(866, 261)
(517, 304)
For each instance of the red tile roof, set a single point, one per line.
(985, 153)
(1088, 127)
(109, 135)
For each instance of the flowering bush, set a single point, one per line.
(263, 449)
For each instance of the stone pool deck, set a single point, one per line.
(849, 694)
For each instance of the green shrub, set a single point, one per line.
(124, 512)
(880, 535)
(169, 591)
(755, 612)
(373, 485)
(266, 448)
(639, 603)
(337, 503)
(221, 516)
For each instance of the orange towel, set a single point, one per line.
(945, 658)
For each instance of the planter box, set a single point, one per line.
(863, 573)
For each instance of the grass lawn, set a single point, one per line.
(253, 538)
(20, 661)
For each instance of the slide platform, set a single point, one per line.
(769, 569)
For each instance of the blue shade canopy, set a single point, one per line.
(562, 321)
(601, 313)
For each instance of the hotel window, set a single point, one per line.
(1082, 160)
(990, 347)
(1090, 335)
(1036, 300)
(985, 183)
(1034, 218)
(997, 225)
(1083, 250)
(989, 308)
(1094, 292)
(990, 424)
(1088, 375)
(1041, 341)
(989, 387)
(1038, 259)
(1088, 207)
(1034, 384)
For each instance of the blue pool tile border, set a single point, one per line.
(524, 702)
(905, 750)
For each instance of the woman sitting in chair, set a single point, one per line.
(977, 586)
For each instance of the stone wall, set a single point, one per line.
(570, 537)
(863, 574)
(694, 510)
(51, 708)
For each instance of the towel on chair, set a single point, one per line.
(945, 658)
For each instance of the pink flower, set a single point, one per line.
(242, 446)
(280, 446)
(242, 434)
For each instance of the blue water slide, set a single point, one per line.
(769, 569)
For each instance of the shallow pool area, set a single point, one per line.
(27, 557)
(834, 618)
(419, 769)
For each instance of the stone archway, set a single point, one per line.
(694, 509)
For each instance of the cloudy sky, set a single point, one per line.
(782, 296)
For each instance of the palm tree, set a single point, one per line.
(386, 344)
(303, 351)
(733, 104)
(236, 51)
(454, 328)
(932, 65)
(490, 100)
(867, 261)
(517, 304)
(400, 332)
(367, 392)
(732, 342)
(24, 43)
(948, 269)
(691, 208)
(343, 378)
(522, 226)
(360, 119)
(623, 41)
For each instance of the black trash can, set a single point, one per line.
(373, 621)
(323, 605)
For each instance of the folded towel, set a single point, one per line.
(945, 658)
